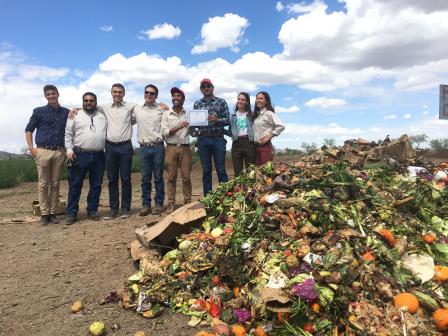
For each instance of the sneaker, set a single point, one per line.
(45, 220)
(53, 219)
(112, 214)
(93, 216)
(145, 211)
(158, 209)
(170, 208)
(70, 219)
(125, 214)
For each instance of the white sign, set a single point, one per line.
(198, 117)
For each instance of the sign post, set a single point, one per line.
(443, 102)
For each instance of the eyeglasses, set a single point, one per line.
(206, 86)
(88, 100)
(150, 93)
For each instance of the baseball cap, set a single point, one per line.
(177, 90)
(206, 80)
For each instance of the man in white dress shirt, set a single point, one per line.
(85, 137)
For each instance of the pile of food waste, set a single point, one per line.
(313, 249)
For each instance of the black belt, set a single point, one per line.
(118, 143)
(151, 144)
(211, 135)
(77, 149)
(179, 145)
(52, 148)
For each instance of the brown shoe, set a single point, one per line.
(170, 208)
(187, 201)
(158, 209)
(145, 211)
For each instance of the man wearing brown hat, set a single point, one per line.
(211, 143)
(178, 151)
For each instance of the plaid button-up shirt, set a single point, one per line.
(50, 125)
(215, 106)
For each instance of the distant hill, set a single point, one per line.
(6, 156)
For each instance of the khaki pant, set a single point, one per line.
(49, 168)
(178, 157)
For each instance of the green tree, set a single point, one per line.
(308, 147)
(329, 142)
(438, 144)
(418, 139)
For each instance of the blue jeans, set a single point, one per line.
(151, 163)
(92, 163)
(208, 148)
(119, 163)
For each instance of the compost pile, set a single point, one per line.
(316, 249)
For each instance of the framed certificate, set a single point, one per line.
(198, 117)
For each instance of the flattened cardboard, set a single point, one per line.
(276, 300)
(180, 221)
(139, 251)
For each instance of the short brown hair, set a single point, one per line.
(50, 87)
(119, 85)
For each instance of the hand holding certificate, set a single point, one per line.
(198, 117)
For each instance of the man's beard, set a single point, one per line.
(90, 110)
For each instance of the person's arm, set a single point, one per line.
(278, 126)
(29, 142)
(193, 130)
(225, 118)
(68, 139)
(30, 127)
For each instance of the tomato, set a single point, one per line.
(308, 327)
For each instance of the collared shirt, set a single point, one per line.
(86, 132)
(216, 106)
(119, 120)
(149, 119)
(50, 125)
(267, 123)
(171, 119)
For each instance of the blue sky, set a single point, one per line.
(335, 69)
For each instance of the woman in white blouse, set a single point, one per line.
(266, 125)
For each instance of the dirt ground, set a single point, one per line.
(45, 269)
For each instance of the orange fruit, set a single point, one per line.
(440, 317)
(407, 301)
(441, 273)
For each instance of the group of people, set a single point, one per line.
(99, 136)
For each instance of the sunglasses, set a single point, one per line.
(150, 93)
(206, 86)
(88, 100)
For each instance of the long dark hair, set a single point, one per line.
(248, 107)
(268, 104)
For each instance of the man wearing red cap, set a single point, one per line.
(211, 143)
(178, 151)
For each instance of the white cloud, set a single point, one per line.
(279, 6)
(107, 29)
(161, 31)
(407, 116)
(31, 72)
(425, 112)
(291, 109)
(221, 32)
(367, 34)
(390, 117)
(325, 102)
(307, 8)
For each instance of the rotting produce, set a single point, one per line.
(310, 249)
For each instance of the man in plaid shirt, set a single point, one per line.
(211, 142)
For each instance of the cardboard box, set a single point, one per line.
(60, 210)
